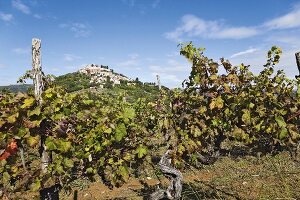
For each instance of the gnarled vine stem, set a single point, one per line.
(175, 176)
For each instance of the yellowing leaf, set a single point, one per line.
(129, 113)
(28, 102)
(36, 111)
(68, 163)
(33, 141)
(213, 77)
(12, 119)
(216, 103)
(246, 117)
(2, 123)
(6, 178)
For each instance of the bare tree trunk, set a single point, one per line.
(175, 176)
(38, 89)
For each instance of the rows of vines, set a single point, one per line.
(90, 133)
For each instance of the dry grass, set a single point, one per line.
(248, 177)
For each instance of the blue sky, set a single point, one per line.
(139, 37)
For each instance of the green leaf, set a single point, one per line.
(120, 132)
(50, 144)
(280, 121)
(123, 171)
(141, 151)
(35, 186)
(90, 170)
(246, 117)
(6, 178)
(127, 157)
(36, 111)
(63, 146)
(59, 169)
(108, 130)
(28, 102)
(49, 93)
(87, 102)
(68, 163)
(129, 113)
(251, 105)
(283, 133)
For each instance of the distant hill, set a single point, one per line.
(17, 88)
(100, 79)
(80, 82)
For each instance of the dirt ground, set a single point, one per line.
(268, 177)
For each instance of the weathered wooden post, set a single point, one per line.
(38, 89)
(298, 62)
(158, 81)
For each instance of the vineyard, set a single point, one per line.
(58, 138)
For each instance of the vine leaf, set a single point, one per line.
(141, 151)
(280, 121)
(120, 132)
(28, 102)
(35, 186)
(283, 133)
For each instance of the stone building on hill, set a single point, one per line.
(101, 74)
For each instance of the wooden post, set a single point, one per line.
(298, 61)
(38, 89)
(158, 81)
(37, 69)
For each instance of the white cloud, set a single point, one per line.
(21, 51)
(71, 57)
(192, 26)
(37, 16)
(171, 79)
(235, 33)
(172, 73)
(248, 51)
(172, 66)
(79, 29)
(289, 20)
(132, 61)
(21, 7)
(6, 17)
